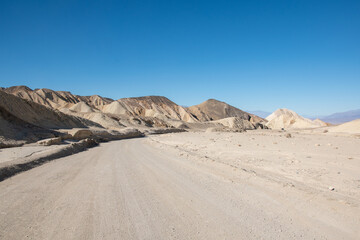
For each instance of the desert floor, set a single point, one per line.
(252, 185)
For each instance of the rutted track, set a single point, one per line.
(131, 190)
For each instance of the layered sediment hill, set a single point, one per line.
(24, 120)
(82, 107)
(156, 106)
(348, 127)
(237, 123)
(215, 110)
(39, 115)
(106, 109)
(285, 118)
(142, 112)
(56, 99)
(15, 131)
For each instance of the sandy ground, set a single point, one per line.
(11, 154)
(253, 185)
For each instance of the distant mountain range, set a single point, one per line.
(27, 115)
(335, 118)
(262, 114)
(342, 117)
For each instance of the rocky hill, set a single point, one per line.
(26, 120)
(40, 115)
(125, 108)
(156, 106)
(15, 131)
(215, 110)
(105, 111)
(56, 99)
(285, 118)
(48, 109)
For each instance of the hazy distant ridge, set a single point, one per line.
(342, 117)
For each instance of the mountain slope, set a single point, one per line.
(148, 111)
(342, 117)
(285, 118)
(149, 106)
(215, 110)
(23, 121)
(155, 106)
(348, 127)
(40, 115)
(56, 99)
(15, 131)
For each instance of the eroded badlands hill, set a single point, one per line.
(215, 110)
(29, 121)
(46, 109)
(145, 111)
(285, 118)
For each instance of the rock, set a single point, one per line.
(79, 134)
(128, 133)
(236, 123)
(317, 145)
(163, 130)
(288, 135)
(108, 135)
(260, 125)
(178, 124)
(182, 126)
(223, 129)
(87, 142)
(66, 136)
(50, 141)
(331, 188)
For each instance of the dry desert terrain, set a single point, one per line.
(262, 184)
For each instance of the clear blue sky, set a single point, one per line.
(256, 55)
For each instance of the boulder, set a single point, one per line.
(50, 141)
(223, 129)
(79, 134)
(153, 131)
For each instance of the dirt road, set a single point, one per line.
(130, 189)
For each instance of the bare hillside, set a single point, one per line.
(156, 106)
(56, 99)
(14, 131)
(39, 115)
(215, 110)
(285, 118)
